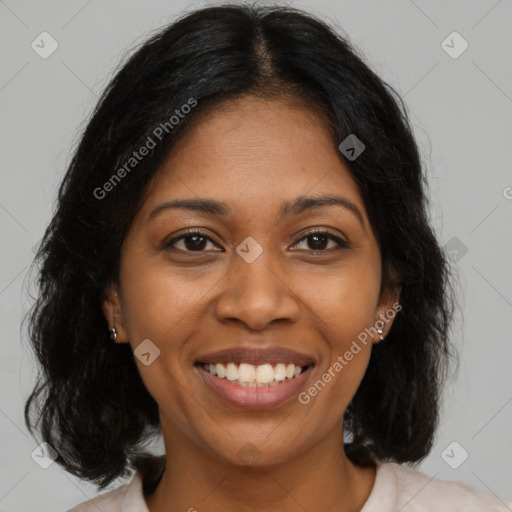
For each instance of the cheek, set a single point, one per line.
(163, 306)
(345, 306)
(346, 302)
(159, 302)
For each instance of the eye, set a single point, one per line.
(319, 239)
(193, 241)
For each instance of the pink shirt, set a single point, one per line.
(397, 488)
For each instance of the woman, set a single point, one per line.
(241, 260)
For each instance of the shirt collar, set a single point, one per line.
(384, 495)
(133, 499)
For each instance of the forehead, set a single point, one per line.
(254, 153)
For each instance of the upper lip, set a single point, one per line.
(257, 356)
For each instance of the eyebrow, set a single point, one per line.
(290, 208)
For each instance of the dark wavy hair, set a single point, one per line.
(91, 404)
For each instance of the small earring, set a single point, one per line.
(380, 330)
(113, 333)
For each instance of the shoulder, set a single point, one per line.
(418, 492)
(110, 501)
(125, 497)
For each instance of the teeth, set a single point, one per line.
(249, 375)
(246, 373)
(280, 373)
(221, 370)
(265, 373)
(231, 371)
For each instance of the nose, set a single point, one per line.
(257, 293)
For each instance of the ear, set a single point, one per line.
(112, 309)
(388, 305)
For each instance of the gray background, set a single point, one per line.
(461, 110)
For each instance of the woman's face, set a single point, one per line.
(253, 279)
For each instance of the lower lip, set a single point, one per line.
(254, 398)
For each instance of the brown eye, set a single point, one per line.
(193, 241)
(318, 241)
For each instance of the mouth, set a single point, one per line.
(254, 387)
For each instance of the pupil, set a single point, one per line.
(316, 237)
(195, 245)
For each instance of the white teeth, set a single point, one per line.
(231, 372)
(221, 370)
(249, 375)
(264, 373)
(246, 372)
(280, 372)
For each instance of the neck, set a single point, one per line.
(321, 478)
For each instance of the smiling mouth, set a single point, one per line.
(255, 376)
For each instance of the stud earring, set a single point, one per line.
(380, 330)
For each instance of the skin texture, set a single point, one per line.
(253, 154)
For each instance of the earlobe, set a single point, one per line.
(388, 306)
(111, 306)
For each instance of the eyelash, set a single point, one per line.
(341, 243)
